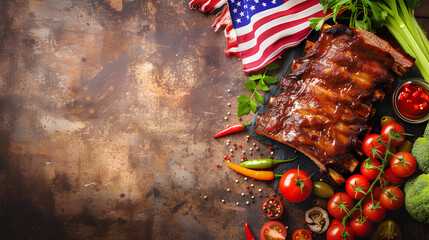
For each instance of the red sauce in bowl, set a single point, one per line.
(413, 101)
(410, 101)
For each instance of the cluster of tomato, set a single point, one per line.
(387, 196)
(296, 186)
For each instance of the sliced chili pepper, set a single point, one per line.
(259, 175)
(263, 163)
(232, 129)
(407, 88)
(249, 235)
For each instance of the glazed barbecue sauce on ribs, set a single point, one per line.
(327, 99)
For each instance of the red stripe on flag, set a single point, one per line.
(272, 31)
(292, 40)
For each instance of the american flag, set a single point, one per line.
(264, 29)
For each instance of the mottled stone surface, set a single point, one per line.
(107, 112)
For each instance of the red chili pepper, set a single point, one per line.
(249, 235)
(231, 129)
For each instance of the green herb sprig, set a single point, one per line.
(258, 81)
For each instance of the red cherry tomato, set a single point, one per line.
(339, 204)
(389, 176)
(392, 198)
(302, 234)
(361, 228)
(273, 230)
(357, 186)
(370, 168)
(335, 233)
(403, 164)
(396, 128)
(374, 211)
(295, 185)
(372, 146)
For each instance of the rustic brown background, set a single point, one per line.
(107, 112)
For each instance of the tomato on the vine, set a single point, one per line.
(392, 198)
(374, 211)
(370, 168)
(361, 227)
(339, 204)
(295, 185)
(357, 186)
(273, 230)
(396, 128)
(389, 176)
(336, 232)
(302, 234)
(403, 164)
(372, 146)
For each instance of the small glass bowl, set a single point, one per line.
(272, 208)
(395, 96)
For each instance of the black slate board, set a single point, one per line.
(283, 151)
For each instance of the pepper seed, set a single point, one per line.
(242, 194)
(228, 189)
(245, 179)
(236, 180)
(247, 202)
(251, 185)
(260, 190)
(226, 118)
(237, 203)
(205, 197)
(229, 104)
(223, 200)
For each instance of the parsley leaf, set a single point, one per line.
(250, 85)
(255, 77)
(247, 103)
(259, 98)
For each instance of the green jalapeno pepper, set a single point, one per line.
(263, 163)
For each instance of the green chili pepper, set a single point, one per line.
(263, 163)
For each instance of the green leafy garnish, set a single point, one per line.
(255, 83)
